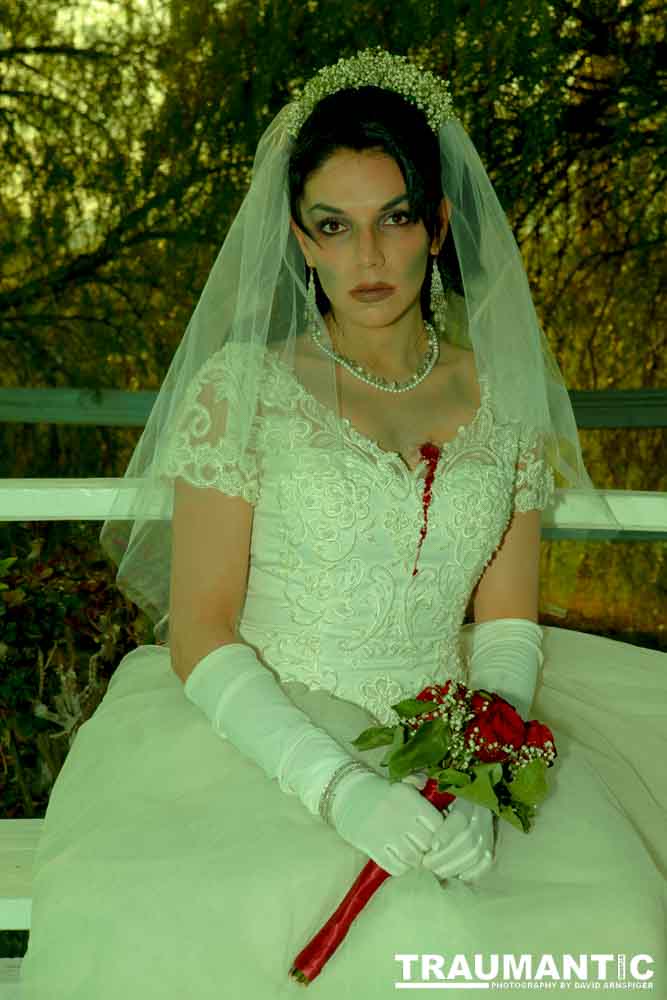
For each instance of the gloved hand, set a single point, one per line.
(505, 658)
(466, 848)
(391, 823)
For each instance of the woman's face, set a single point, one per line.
(355, 206)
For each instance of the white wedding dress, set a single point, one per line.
(170, 866)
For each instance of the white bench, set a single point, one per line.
(642, 515)
(18, 843)
(10, 970)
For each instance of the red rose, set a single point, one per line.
(433, 693)
(437, 692)
(478, 702)
(485, 739)
(497, 726)
(538, 735)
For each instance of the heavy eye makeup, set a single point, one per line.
(396, 218)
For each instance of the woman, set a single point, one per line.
(351, 459)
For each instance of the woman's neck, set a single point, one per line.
(394, 351)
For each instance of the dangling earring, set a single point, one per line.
(438, 301)
(310, 311)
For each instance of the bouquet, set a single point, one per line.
(467, 743)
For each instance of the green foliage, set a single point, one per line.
(530, 785)
(428, 745)
(481, 790)
(63, 629)
(128, 139)
(449, 777)
(620, 590)
(410, 707)
(376, 736)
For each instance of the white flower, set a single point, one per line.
(376, 68)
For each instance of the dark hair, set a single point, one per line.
(374, 118)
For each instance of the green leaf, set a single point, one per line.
(427, 746)
(519, 815)
(397, 742)
(493, 769)
(508, 814)
(530, 784)
(376, 736)
(480, 790)
(409, 707)
(449, 776)
(6, 563)
(485, 692)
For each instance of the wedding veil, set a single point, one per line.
(254, 300)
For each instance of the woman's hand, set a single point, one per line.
(390, 822)
(465, 848)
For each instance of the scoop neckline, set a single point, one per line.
(386, 454)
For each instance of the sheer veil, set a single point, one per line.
(254, 301)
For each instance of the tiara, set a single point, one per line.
(375, 68)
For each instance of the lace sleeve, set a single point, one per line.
(534, 483)
(203, 447)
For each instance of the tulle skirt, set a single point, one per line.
(170, 866)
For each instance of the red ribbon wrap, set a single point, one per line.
(309, 963)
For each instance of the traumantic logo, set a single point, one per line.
(528, 972)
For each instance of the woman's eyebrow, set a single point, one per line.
(321, 207)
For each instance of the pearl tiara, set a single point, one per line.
(375, 68)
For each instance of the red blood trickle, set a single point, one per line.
(431, 454)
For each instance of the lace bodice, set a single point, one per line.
(332, 599)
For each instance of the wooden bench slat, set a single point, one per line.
(10, 987)
(641, 513)
(643, 407)
(18, 844)
(65, 499)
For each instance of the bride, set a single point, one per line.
(359, 438)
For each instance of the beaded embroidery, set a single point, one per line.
(332, 601)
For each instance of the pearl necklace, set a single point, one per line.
(425, 368)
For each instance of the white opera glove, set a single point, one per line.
(505, 657)
(465, 850)
(390, 822)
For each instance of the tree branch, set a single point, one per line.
(94, 55)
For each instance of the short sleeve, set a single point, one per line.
(534, 484)
(203, 448)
